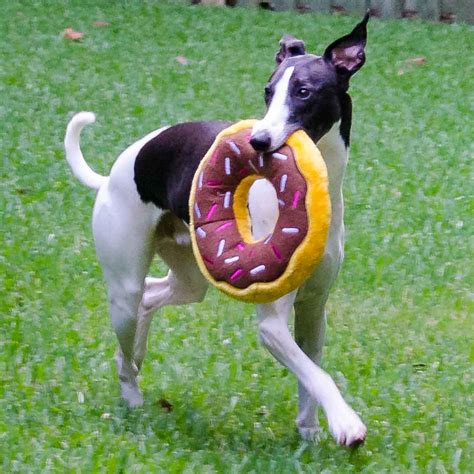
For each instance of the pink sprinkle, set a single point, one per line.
(296, 198)
(276, 251)
(214, 182)
(248, 136)
(236, 274)
(211, 212)
(224, 226)
(240, 246)
(244, 171)
(209, 262)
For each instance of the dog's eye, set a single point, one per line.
(303, 93)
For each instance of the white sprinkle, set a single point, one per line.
(281, 202)
(268, 239)
(234, 148)
(227, 165)
(201, 176)
(220, 248)
(231, 259)
(283, 181)
(252, 166)
(290, 230)
(227, 199)
(260, 160)
(201, 232)
(280, 156)
(197, 210)
(258, 269)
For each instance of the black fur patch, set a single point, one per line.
(346, 118)
(165, 166)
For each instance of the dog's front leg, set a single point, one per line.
(344, 423)
(310, 329)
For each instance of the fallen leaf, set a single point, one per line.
(182, 60)
(419, 60)
(98, 24)
(165, 404)
(70, 34)
(448, 17)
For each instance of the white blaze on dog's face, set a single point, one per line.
(309, 92)
(272, 130)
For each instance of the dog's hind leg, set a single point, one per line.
(124, 236)
(184, 284)
(310, 328)
(344, 423)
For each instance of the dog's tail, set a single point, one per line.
(76, 161)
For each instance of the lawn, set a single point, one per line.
(400, 336)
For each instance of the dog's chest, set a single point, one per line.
(335, 155)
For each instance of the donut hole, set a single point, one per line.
(263, 208)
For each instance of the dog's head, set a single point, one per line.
(305, 90)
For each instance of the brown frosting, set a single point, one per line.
(226, 256)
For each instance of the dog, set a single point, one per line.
(142, 209)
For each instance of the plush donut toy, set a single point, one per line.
(263, 270)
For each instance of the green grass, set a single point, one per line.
(400, 330)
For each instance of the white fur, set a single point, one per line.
(276, 119)
(76, 161)
(127, 234)
(314, 385)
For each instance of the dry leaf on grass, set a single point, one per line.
(182, 60)
(98, 24)
(70, 34)
(165, 404)
(418, 61)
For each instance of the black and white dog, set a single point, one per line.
(142, 209)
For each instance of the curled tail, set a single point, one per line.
(76, 161)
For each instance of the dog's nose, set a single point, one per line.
(260, 141)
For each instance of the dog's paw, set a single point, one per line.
(131, 394)
(347, 428)
(309, 433)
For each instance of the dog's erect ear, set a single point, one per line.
(289, 46)
(347, 54)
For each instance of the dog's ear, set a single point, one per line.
(289, 46)
(347, 54)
